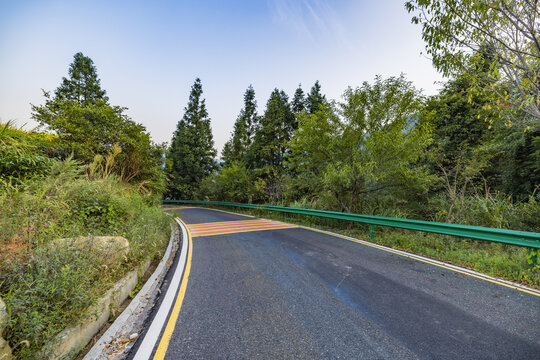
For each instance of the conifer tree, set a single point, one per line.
(276, 129)
(299, 100)
(244, 129)
(83, 84)
(191, 155)
(315, 98)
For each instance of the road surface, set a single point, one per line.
(266, 290)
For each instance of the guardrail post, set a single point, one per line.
(371, 231)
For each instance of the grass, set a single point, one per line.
(48, 287)
(498, 260)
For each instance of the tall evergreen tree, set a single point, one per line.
(191, 155)
(83, 84)
(271, 140)
(315, 98)
(299, 100)
(244, 129)
(86, 125)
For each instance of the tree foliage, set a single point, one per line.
(244, 130)
(86, 125)
(365, 146)
(83, 84)
(270, 144)
(315, 98)
(191, 154)
(299, 100)
(455, 33)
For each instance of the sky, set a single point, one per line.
(148, 53)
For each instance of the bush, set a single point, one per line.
(490, 210)
(47, 290)
(23, 154)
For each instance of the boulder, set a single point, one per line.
(3, 316)
(112, 249)
(5, 350)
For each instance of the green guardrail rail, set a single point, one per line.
(512, 237)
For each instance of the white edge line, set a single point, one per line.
(420, 257)
(152, 335)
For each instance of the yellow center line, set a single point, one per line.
(167, 334)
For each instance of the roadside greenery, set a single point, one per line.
(86, 125)
(191, 154)
(499, 36)
(93, 173)
(48, 287)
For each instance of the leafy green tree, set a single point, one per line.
(83, 84)
(191, 155)
(315, 98)
(86, 125)
(363, 151)
(231, 183)
(244, 129)
(459, 125)
(299, 100)
(455, 32)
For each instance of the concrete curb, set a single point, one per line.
(126, 328)
(72, 339)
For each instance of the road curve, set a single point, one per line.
(269, 291)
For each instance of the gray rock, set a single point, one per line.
(5, 350)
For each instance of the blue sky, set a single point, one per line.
(149, 53)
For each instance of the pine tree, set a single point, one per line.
(271, 140)
(299, 100)
(315, 98)
(191, 155)
(244, 129)
(83, 84)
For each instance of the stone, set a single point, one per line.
(3, 316)
(113, 249)
(5, 350)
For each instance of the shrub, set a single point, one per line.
(47, 290)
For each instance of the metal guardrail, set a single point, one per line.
(512, 237)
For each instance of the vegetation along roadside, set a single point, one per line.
(79, 208)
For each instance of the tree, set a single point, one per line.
(456, 32)
(88, 126)
(364, 150)
(244, 129)
(276, 128)
(299, 100)
(231, 183)
(315, 98)
(83, 84)
(191, 155)
(459, 125)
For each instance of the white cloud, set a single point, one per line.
(312, 20)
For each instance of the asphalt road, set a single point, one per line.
(297, 293)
